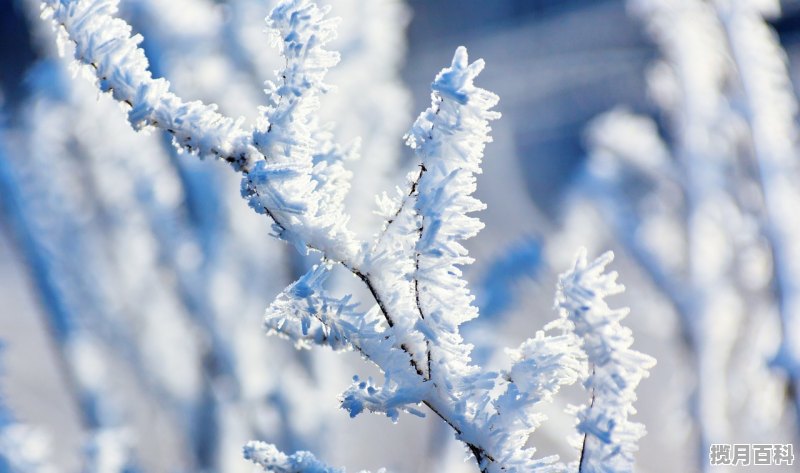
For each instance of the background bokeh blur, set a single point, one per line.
(133, 278)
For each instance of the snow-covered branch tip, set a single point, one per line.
(269, 458)
(307, 315)
(108, 47)
(294, 190)
(609, 438)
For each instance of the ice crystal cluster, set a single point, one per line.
(293, 172)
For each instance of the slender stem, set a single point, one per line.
(585, 436)
(407, 198)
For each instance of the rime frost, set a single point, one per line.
(293, 172)
(616, 370)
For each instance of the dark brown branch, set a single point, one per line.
(583, 444)
(417, 297)
(411, 193)
(479, 453)
(365, 278)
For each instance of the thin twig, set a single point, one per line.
(583, 445)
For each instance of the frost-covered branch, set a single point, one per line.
(292, 172)
(449, 139)
(273, 461)
(368, 108)
(306, 211)
(540, 366)
(616, 370)
(107, 45)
